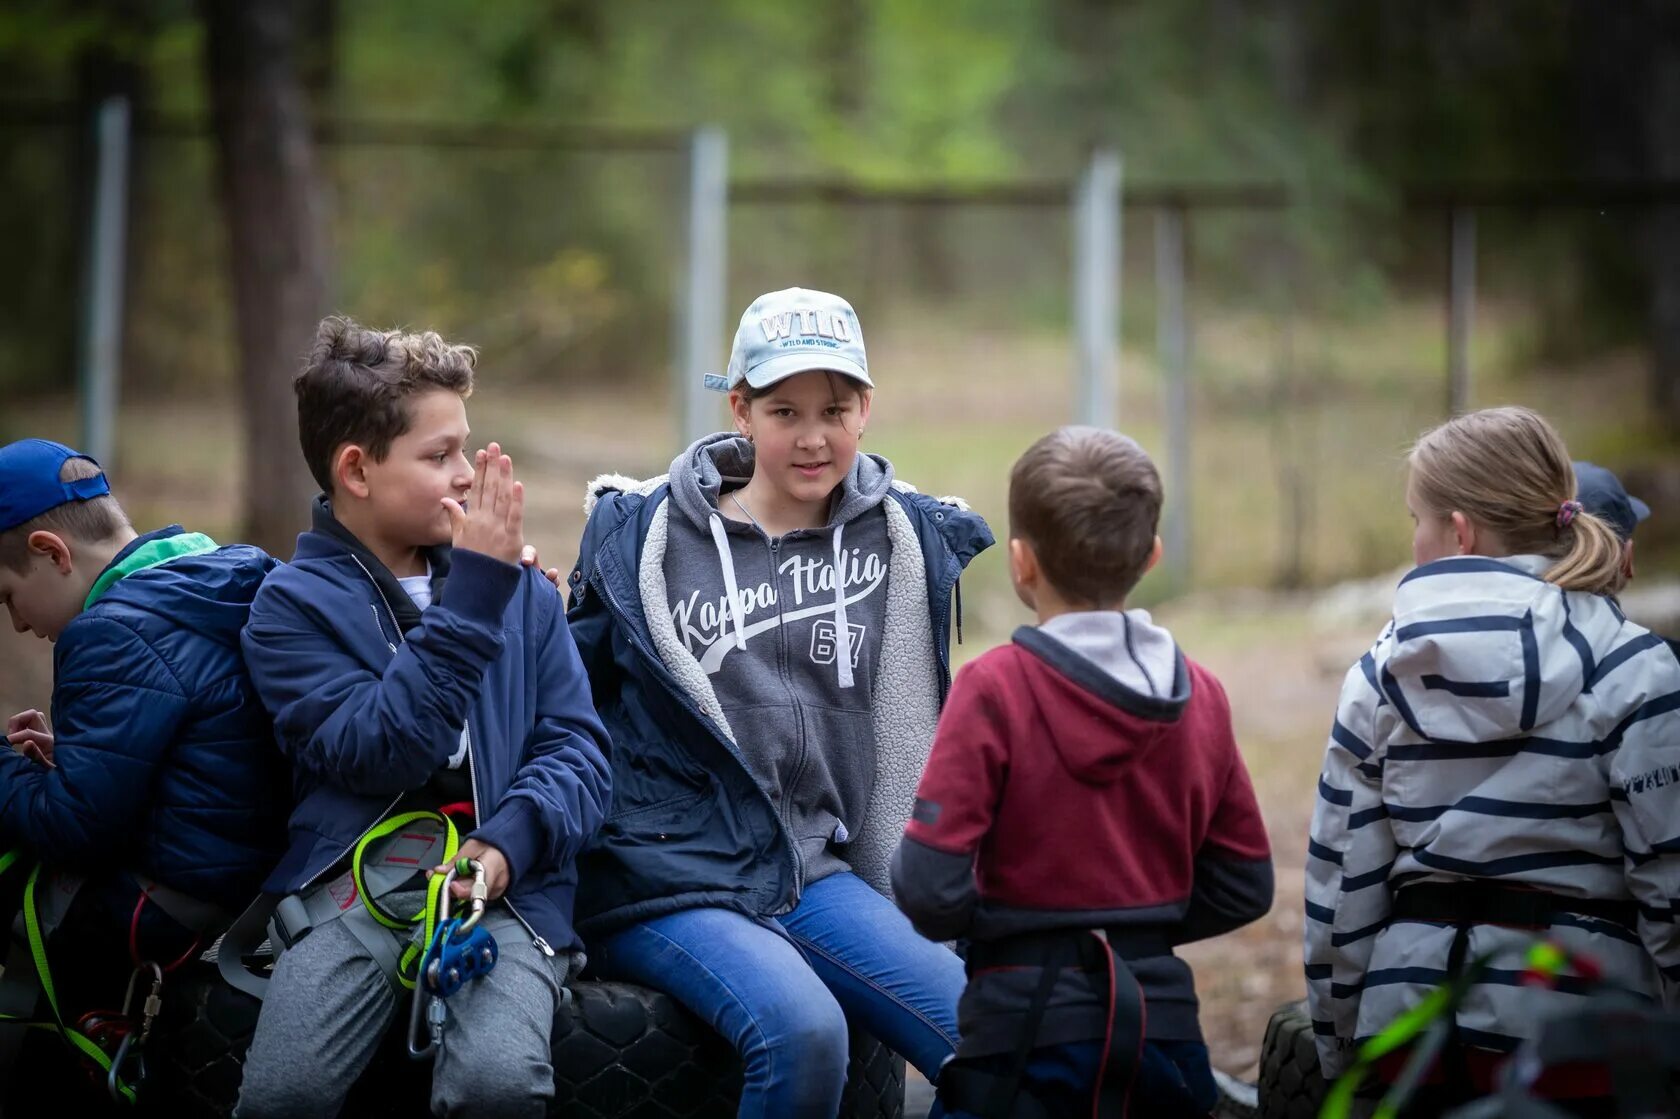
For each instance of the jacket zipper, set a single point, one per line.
(472, 774)
(599, 582)
(799, 756)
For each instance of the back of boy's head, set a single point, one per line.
(1089, 502)
(1508, 471)
(86, 520)
(358, 386)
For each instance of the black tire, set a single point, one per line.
(1291, 1086)
(619, 1051)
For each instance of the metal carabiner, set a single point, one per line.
(477, 899)
(135, 1039)
(426, 1005)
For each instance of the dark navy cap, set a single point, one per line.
(29, 484)
(1600, 493)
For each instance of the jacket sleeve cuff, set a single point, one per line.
(480, 587)
(935, 889)
(516, 830)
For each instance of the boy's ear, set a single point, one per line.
(350, 470)
(1154, 557)
(1024, 572)
(1023, 562)
(54, 549)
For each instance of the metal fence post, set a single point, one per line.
(1461, 308)
(705, 282)
(102, 311)
(1096, 289)
(1173, 342)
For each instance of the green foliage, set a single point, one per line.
(562, 263)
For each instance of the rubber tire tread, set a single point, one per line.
(1291, 1085)
(620, 1052)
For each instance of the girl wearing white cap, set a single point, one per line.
(766, 630)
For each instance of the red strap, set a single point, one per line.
(1108, 1036)
(134, 938)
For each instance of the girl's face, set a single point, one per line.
(1434, 536)
(805, 432)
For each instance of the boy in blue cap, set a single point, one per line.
(1601, 493)
(411, 666)
(157, 776)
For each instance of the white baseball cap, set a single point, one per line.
(794, 330)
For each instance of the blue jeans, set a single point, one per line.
(780, 990)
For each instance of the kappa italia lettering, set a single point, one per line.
(701, 624)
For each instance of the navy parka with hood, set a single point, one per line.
(367, 713)
(690, 827)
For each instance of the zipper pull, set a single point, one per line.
(542, 946)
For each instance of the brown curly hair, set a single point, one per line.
(357, 384)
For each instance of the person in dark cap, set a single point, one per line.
(1601, 493)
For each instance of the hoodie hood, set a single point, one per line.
(717, 463)
(1117, 683)
(1485, 649)
(184, 577)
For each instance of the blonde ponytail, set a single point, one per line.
(1594, 560)
(1508, 471)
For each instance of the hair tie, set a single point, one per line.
(1566, 513)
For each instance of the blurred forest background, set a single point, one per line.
(514, 175)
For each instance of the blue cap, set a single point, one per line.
(794, 330)
(1600, 493)
(29, 484)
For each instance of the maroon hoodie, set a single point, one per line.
(1083, 776)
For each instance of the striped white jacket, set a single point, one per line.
(1500, 730)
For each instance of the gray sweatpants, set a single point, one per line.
(328, 1007)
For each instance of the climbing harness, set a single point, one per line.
(37, 926)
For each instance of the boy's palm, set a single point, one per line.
(493, 523)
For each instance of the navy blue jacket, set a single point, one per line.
(367, 713)
(690, 826)
(166, 758)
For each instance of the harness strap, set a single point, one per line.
(1485, 903)
(190, 913)
(245, 938)
(968, 1085)
(37, 927)
(385, 858)
(1079, 948)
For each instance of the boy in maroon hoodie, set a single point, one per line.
(1084, 810)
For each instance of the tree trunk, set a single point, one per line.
(273, 200)
(1662, 235)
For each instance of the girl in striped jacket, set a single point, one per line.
(1504, 764)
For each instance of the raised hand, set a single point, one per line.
(493, 523)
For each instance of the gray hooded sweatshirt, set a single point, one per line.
(790, 648)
